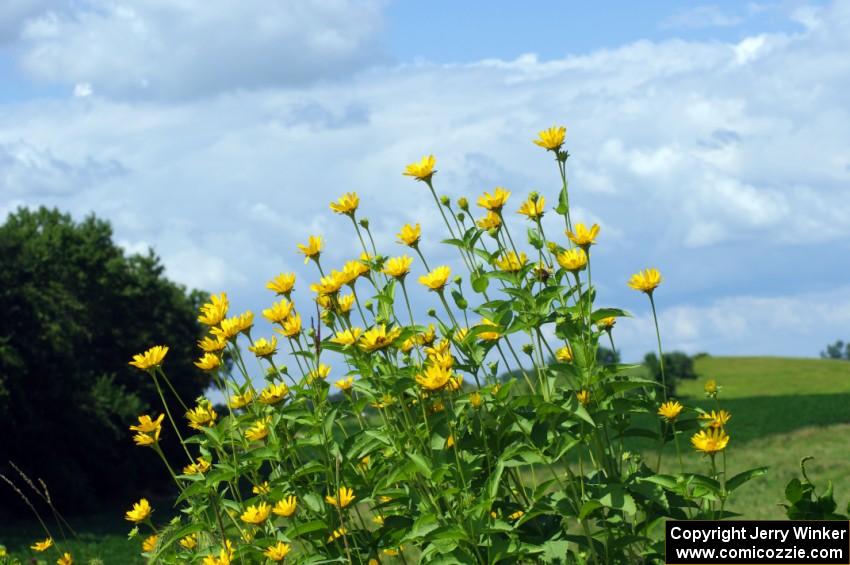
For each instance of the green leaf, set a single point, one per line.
(742, 478)
(306, 528)
(588, 507)
(460, 300)
(617, 498)
(479, 283)
(421, 465)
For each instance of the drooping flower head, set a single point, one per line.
(422, 170)
(645, 281)
(150, 359)
(551, 139)
(346, 204)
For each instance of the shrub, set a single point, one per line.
(837, 350)
(428, 457)
(677, 366)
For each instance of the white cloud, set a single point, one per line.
(721, 171)
(165, 49)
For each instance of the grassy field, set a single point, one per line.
(783, 409)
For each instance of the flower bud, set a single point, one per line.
(463, 203)
(364, 223)
(528, 349)
(534, 196)
(461, 217)
(368, 304)
(445, 201)
(458, 279)
(432, 312)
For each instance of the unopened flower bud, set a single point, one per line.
(458, 279)
(364, 223)
(528, 349)
(463, 203)
(432, 312)
(461, 217)
(368, 304)
(445, 200)
(534, 196)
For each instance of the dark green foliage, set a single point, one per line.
(837, 350)
(607, 356)
(805, 503)
(677, 366)
(74, 311)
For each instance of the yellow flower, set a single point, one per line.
(345, 384)
(150, 543)
(551, 139)
(606, 323)
(262, 488)
(516, 515)
(291, 326)
(573, 260)
(147, 439)
(583, 397)
(278, 551)
(347, 337)
(201, 415)
(442, 347)
(442, 359)
(278, 312)
(494, 202)
(199, 468)
(321, 372)
(428, 336)
(378, 338)
(208, 362)
(258, 430)
(383, 402)
(286, 507)
(147, 425)
(214, 311)
(238, 401)
(352, 270)
(282, 284)
(533, 209)
(65, 559)
(434, 377)
(392, 552)
(140, 512)
(710, 387)
(274, 393)
(436, 279)
(337, 533)
(489, 222)
(670, 410)
(410, 234)
(564, 354)
(646, 280)
(329, 284)
(256, 514)
(225, 555)
(450, 441)
(455, 382)
(189, 542)
(345, 303)
(710, 441)
(313, 248)
(510, 262)
(422, 170)
(716, 419)
(398, 267)
(475, 399)
(343, 498)
(378, 520)
(44, 545)
(490, 335)
(346, 204)
(151, 358)
(584, 237)
(210, 345)
(263, 347)
(233, 326)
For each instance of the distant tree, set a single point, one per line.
(677, 366)
(75, 309)
(607, 356)
(837, 350)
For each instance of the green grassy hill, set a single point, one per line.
(782, 410)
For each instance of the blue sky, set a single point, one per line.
(708, 140)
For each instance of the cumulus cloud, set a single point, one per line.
(163, 49)
(722, 163)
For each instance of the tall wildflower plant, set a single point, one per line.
(414, 449)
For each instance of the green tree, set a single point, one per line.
(75, 309)
(677, 366)
(837, 350)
